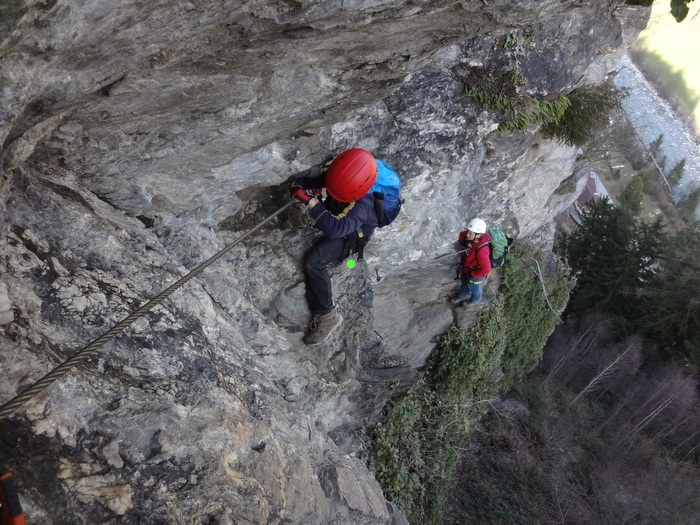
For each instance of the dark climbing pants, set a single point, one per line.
(325, 253)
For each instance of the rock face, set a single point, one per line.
(140, 137)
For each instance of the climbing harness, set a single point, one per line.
(8, 408)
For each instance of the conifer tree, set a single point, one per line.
(676, 173)
(671, 302)
(613, 257)
(631, 197)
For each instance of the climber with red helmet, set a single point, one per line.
(475, 261)
(347, 219)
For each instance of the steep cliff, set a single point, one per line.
(139, 138)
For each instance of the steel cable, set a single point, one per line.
(8, 408)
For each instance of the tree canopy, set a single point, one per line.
(670, 303)
(612, 255)
(679, 8)
(647, 278)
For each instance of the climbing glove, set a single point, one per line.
(297, 191)
(300, 195)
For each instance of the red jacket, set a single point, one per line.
(476, 261)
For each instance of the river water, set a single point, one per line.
(651, 116)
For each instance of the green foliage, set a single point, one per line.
(572, 119)
(631, 197)
(461, 363)
(396, 442)
(416, 447)
(612, 255)
(515, 77)
(530, 319)
(676, 173)
(490, 101)
(670, 307)
(689, 205)
(655, 145)
(679, 8)
(497, 90)
(639, 162)
(645, 278)
(649, 180)
(529, 112)
(588, 111)
(494, 89)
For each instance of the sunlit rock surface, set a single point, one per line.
(139, 138)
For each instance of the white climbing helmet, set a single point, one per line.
(477, 226)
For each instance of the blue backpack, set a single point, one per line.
(387, 194)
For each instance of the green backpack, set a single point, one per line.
(499, 245)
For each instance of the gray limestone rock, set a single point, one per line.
(140, 138)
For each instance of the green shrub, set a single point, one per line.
(588, 111)
(497, 90)
(461, 364)
(530, 314)
(415, 449)
(529, 112)
(572, 118)
(396, 458)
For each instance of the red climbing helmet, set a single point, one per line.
(351, 175)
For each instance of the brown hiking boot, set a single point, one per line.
(321, 327)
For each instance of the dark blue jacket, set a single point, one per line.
(337, 220)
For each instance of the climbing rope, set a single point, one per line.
(439, 259)
(8, 408)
